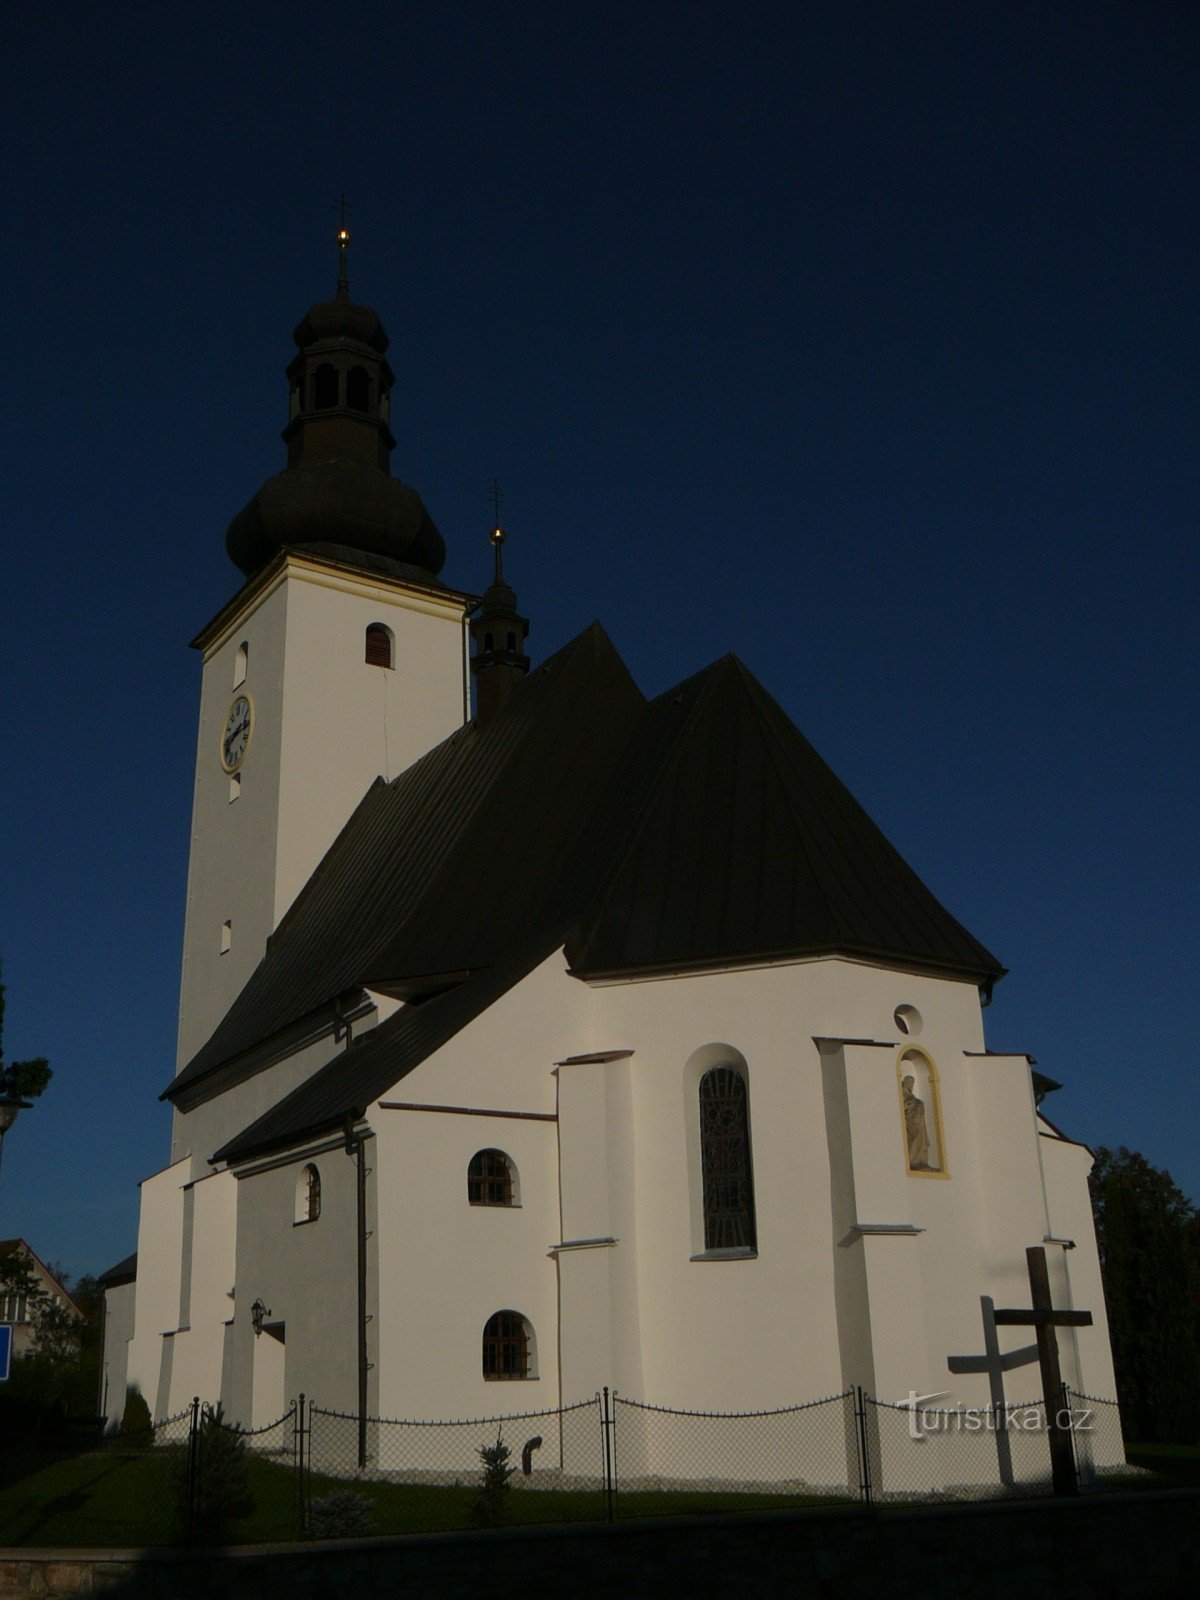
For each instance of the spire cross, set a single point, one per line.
(344, 239)
(497, 534)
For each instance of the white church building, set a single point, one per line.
(576, 1039)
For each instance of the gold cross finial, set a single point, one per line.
(344, 239)
(497, 535)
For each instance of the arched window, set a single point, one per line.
(358, 389)
(508, 1347)
(728, 1184)
(378, 652)
(487, 642)
(921, 1115)
(490, 1179)
(308, 1195)
(512, 641)
(325, 387)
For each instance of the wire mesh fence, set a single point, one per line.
(397, 1476)
(671, 1462)
(1099, 1441)
(956, 1453)
(317, 1473)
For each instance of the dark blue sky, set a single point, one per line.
(859, 339)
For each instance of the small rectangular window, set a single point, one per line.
(226, 937)
(235, 786)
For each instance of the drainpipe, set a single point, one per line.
(356, 1146)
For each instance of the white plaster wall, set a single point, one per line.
(160, 1253)
(600, 1333)
(445, 1265)
(306, 1274)
(759, 1332)
(1087, 1353)
(118, 1330)
(196, 1364)
(325, 726)
(231, 863)
(346, 723)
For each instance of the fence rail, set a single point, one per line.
(197, 1479)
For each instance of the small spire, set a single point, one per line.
(344, 239)
(498, 631)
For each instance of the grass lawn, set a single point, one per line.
(1177, 1465)
(120, 1497)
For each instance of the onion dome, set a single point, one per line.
(336, 496)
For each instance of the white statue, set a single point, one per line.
(918, 1132)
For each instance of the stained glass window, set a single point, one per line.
(725, 1161)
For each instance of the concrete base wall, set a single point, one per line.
(1127, 1545)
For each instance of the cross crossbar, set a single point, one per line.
(1043, 1319)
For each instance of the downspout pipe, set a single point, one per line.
(356, 1147)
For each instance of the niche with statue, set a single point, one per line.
(921, 1114)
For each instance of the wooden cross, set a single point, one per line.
(1045, 1319)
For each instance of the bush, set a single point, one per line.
(218, 1480)
(136, 1427)
(341, 1515)
(490, 1506)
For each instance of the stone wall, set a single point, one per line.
(1130, 1545)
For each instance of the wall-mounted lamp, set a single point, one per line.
(258, 1315)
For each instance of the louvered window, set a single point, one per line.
(378, 646)
(725, 1161)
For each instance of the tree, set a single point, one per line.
(21, 1080)
(217, 1481)
(1148, 1233)
(489, 1509)
(62, 1367)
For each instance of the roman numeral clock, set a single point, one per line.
(235, 739)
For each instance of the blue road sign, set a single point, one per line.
(6, 1334)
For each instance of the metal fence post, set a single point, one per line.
(608, 1482)
(1066, 1405)
(193, 1471)
(616, 1478)
(860, 1434)
(298, 1463)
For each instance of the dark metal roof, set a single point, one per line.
(368, 1068)
(747, 847)
(700, 830)
(124, 1272)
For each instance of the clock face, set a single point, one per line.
(236, 738)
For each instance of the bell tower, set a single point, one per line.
(340, 659)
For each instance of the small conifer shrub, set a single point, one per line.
(490, 1506)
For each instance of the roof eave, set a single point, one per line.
(983, 977)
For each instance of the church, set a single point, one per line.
(535, 1036)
